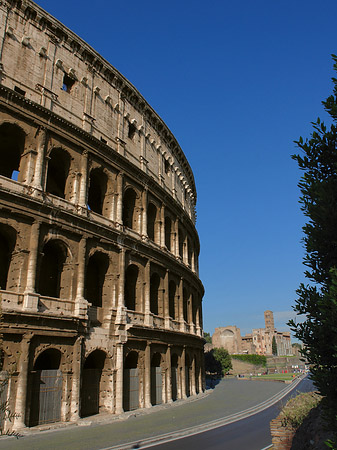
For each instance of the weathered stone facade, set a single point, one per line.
(101, 298)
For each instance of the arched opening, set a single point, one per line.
(97, 189)
(95, 276)
(46, 393)
(7, 244)
(151, 221)
(156, 380)
(12, 144)
(168, 231)
(172, 295)
(131, 382)
(91, 380)
(187, 375)
(154, 291)
(185, 303)
(58, 170)
(54, 255)
(129, 202)
(130, 288)
(174, 376)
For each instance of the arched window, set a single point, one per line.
(172, 295)
(130, 289)
(97, 190)
(168, 231)
(95, 276)
(91, 381)
(7, 244)
(151, 221)
(185, 303)
(129, 201)
(12, 144)
(51, 268)
(58, 171)
(154, 290)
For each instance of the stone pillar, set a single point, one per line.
(119, 378)
(30, 298)
(183, 373)
(166, 300)
(82, 200)
(193, 387)
(76, 382)
(38, 172)
(119, 205)
(147, 293)
(181, 305)
(21, 389)
(80, 302)
(121, 278)
(190, 313)
(143, 228)
(169, 375)
(161, 231)
(147, 369)
(176, 239)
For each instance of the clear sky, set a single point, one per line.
(237, 83)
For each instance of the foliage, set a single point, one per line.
(274, 346)
(212, 366)
(257, 360)
(297, 409)
(224, 358)
(318, 299)
(207, 337)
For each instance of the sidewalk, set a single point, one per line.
(228, 397)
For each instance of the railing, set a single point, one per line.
(11, 300)
(56, 305)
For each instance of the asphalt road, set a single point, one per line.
(252, 433)
(229, 397)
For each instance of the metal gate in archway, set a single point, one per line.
(174, 382)
(90, 392)
(46, 397)
(131, 389)
(156, 385)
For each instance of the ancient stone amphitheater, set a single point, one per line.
(101, 299)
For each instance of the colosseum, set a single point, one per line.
(100, 293)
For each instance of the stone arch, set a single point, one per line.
(96, 270)
(168, 232)
(12, 139)
(131, 290)
(129, 207)
(98, 183)
(8, 237)
(154, 293)
(58, 172)
(172, 298)
(156, 379)
(91, 382)
(131, 382)
(46, 393)
(51, 282)
(152, 226)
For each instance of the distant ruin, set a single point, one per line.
(259, 341)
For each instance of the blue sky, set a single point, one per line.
(237, 83)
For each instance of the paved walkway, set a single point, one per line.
(98, 432)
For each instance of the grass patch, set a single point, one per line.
(257, 360)
(297, 409)
(276, 376)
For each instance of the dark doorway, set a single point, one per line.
(91, 380)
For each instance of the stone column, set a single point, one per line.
(161, 233)
(119, 205)
(183, 373)
(80, 303)
(166, 300)
(143, 228)
(21, 389)
(176, 239)
(38, 172)
(193, 387)
(76, 382)
(190, 313)
(119, 378)
(147, 384)
(30, 298)
(82, 200)
(120, 319)
(147, 311)
(181, 305)
(169, 375)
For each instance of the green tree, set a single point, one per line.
(274, 346)
(207, 337)
(317, 300)
(224, 358)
